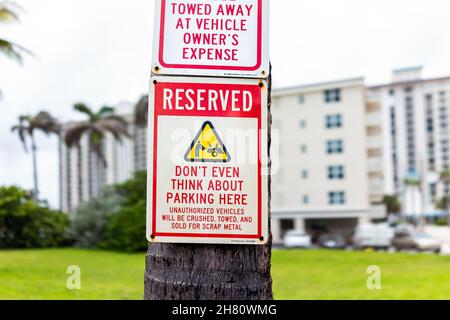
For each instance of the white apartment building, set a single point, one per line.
(415, 118)
(329, 158)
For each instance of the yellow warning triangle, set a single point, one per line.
(207, 146)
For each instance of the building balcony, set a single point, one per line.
(376, 186)
(375, 165)
(376, 197)
(374, 142)
(373, 105)
(373, 119)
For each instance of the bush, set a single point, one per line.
(125, 230)
(25, 224)
(441, 222)
(89, 221)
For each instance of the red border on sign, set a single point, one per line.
(157, 113)
(193, 66)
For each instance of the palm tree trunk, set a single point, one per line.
(198, 272)
(210, 272)
(35, 175)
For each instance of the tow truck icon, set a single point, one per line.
(214, 151)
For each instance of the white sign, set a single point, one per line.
(212, 37)
(207, 179)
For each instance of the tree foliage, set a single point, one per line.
(88, 223)
(442, 203)
(25, 224)
(125, 230)
(392, 204)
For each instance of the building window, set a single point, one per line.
(433, 191)
(430, 129)
(336, 172)
(302, 124)
(335, 146)
(393, 123)
(410, 129)
(333, 121)
(333, 95)
(392, 92)
(303, 149)
(443, 119)
(443, 98)
(305, 199)
(305, 174)
(336, 197)
(301, 99)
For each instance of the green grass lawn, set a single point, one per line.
(297, 274)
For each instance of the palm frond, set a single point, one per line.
(105, 111)
(72, 136)
(13, 50)
(117, 129)
(81, 107)
(9, 12)
(45, 122)
(21, 131)
(100, 123)
(96, 138)
(118, 119)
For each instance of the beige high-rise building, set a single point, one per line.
(326, 159)
(415, 118)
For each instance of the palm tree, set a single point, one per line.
(44, 122)
(141, 112)
(9, 13)
(98, 125)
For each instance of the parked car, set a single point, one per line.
(409, 239)
(378, 236)
(332, 241)
(297, 239)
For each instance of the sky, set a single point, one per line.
(99, 52)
